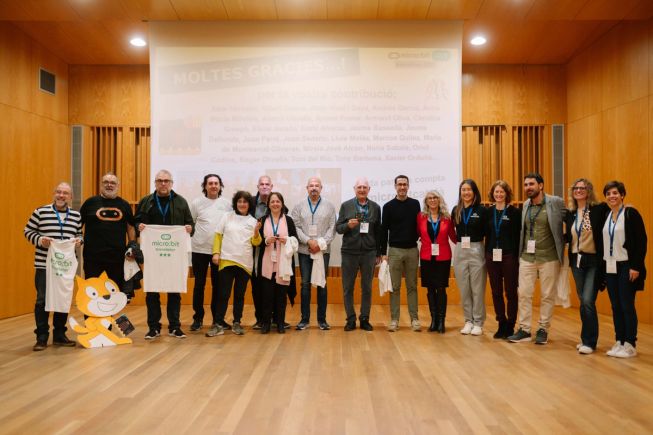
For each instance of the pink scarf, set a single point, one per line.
(268, 267)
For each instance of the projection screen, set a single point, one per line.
(292, 100)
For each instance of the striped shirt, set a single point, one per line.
(44, 223)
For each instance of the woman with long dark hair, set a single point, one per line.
(469, 217)
(276, 263)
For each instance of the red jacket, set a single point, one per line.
(447, 231)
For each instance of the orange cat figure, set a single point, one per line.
(98, 298)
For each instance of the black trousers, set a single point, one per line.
(201, 263)
(41, 316)
(231, 276)
(273, 298)
(93, 268)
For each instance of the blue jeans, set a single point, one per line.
(622, 298)
(306, 266)
(584, 278)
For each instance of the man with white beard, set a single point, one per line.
(108, 221)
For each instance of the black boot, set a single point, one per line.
(433, 308)
(441, 303)
(510, 330)
(501, 332)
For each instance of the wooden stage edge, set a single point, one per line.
(326, 382)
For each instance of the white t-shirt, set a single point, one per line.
(237, 232)
(618, 251)
(206, 214)
(60, 270)
(166, 249)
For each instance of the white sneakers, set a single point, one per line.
(393, 326)
(477, 330)
(415, 325)
(625, 350)
(467, 329)
(615, 348)
(583, 349)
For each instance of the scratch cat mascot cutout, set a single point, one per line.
(98, 298)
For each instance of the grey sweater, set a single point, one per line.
(353, 242)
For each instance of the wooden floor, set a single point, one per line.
(326, 382)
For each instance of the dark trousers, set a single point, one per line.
(351, 264)
(306, 266)
(622, 298)
(153, 303)
(273, 298)
(586, 289)
(504, 278)
(231, 276)
(201, 264)
(257, 286)
(115, 269)
(41, 316)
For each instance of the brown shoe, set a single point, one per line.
(40, 345)
(63, 341)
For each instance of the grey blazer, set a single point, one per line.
(555, 207)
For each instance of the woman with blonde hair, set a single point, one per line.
(435, 229)
(584, 223)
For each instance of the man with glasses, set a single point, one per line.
(163, 207)
(541, 248)
(108, 221)
(53, 221)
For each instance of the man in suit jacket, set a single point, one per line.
(359, 222)
(541, 245)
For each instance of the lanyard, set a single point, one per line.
(579, 227)
(364, 209)
(313, 210)
(435, 226)
(275, 229)
(164, 211)
(497, 224)
(466, 216)
(611, 227)
(532, 218)
(61, 224)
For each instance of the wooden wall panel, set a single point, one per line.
(610, 133)
(625, 64)
(15, 67)
(109, 95)
(513, 94)
(35, 147)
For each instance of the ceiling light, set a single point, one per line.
(138, 42)
(478, 40)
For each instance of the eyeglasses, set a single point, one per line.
(579, 188)
(163, 181)
(110, 183)
(430, 198)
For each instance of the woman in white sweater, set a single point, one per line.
(235, 236)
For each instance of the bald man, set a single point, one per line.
(359, 222)
(54, 221)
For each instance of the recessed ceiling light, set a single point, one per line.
(478, 40)
(138, 42)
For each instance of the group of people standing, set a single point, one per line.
(255, 238)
